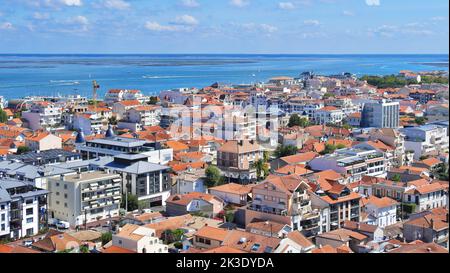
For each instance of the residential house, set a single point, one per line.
(194, 202)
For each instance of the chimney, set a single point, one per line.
(432, 223)
(79, 175)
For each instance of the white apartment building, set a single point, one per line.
(23, 209)
(89, 124)
(381, 114)
(145, 115)
(328, 114)
(426, 139)
(427, 197)
(43, 115)
(352, 162)
(85, 197)
(382, 212)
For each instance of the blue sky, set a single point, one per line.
(224, 26)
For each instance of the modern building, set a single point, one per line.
(427, 139)
(381, 114)
(43, 115)
(139, 239)
(47, 157)
(23, 209)
(86, 197)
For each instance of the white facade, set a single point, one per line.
(426, 139)
(47, 116)
(381, 216)
(328, 116)
(4, 219)
(88, 124)
(141, 240)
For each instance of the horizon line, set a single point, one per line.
(404, 54)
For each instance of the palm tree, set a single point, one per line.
(261, 169)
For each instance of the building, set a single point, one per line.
(381, 115)
(393, 138)
(42, 141)
(233, 193)
(150, 182)
(190, 181)
(112, 146)
(381, 212)
(194, 202)
(353, 163)
(426, 196)
(328, 114)
(85, 197)
(46, 157)
(337, 203)
(89, 124)
(23, 209)
(145, 115)
(284, 199)
(43, 115)
(426, 139)
(120, 108)
(139, 239)
(428, 227)
(235, 159)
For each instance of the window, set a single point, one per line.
(29, 201)
(30, 232)
(2, 207)
(65, 205)
(65, 186)
(29, 220)
(3, 227)
(57, 184)
(29, 211)
(3, 217)
(57, 193)
(65, 195)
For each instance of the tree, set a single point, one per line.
(287, 150)
(420, 120)
(329, 149)
(132, 200)
(84, 249)
(328, 95)
(153, 100)
(229, 216)
(3, 116)
(23, 150)
(396, 177)
(340, 146)
(106, 238)
(112, 120)
(262, 169)
(296, 120)
(213, 176)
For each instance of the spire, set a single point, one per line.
(80, 137)
(109, 132)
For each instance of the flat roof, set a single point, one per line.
(120, 141)
(90, 176)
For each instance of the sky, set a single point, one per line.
(225, 26)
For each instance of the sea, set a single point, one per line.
(62, 75)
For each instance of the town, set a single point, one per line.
(307, 164)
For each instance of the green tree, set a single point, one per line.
(229, 216)
(296, 120)
(106, 238)
(3, 116)
(112, 120)
(262, 169)
(396, 177)
(420, 120)
(153, 100)
(84, 249)
(213, 176)
(287, 150)
(132, 200)
(328, 95)
(340, 146)
(329, 149)
(23, 150)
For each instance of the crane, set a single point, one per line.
(95, 86)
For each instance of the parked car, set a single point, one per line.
(27, 242)
(62, 225)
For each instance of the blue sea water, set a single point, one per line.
(24, 75)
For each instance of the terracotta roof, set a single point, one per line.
(329, 249)
(170, 223)
(130, 103)
(434, 221)
(224, 250)
(288, 183)
(433, 187)
(298, 238)
(185, 199)
(253, 243)
(298, 169)
(233, 188)
(234, 146)
(381, 202)
(343, 235)
(212, 233)
(430, 162)
(357, 226)
(351, 196)
(117, 249)
(420, 247)
(177, 146)
(299, 158)
(266, 226)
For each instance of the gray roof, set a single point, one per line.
(4, 195)
(120, 141)
(43, 155)
(32, 172)
(131, 156)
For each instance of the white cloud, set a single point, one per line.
(190, 3)
(6, 25)
(41, 16)
(239, 3)
(185, 20)
(116, 4)
(311, 22)
(252, 27)
(286, 5)
(373, 2)
(155, 26)
(438, 18)
(268, 28)
(348, 13)
(76, 3)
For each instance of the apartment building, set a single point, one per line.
(284, 199)
(43, 115)
(118, 95)
(88, 123)
(239, 127)
(381, 114)
(23, 209)
(393, 138)
(352, 162)
(112, 146)
(426, 196)
(429, 226)
(83, 198)
(328, 114)
(235, 159)
(337, 203)
(426, 139)
(150, 182)
(145, 115)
